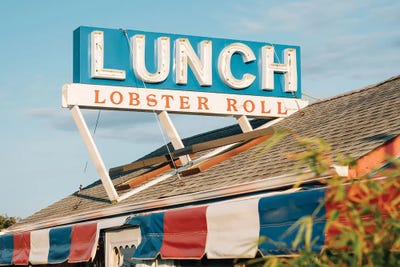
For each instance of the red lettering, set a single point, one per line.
(263, 108)
(202, 103)
(96, 98)
(151, 100)
(134, 99)
(231, 104)
(184, 102)
(280, 109)
(252, 106)
(113, 98)
(167, 99)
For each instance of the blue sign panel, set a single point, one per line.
(140, 59)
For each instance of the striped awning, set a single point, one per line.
(231, 229)
(76, 243)
(226, 229)
(72, 243)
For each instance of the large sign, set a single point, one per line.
(129, 69)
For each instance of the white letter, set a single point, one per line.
(269, 67)
(97, 58)
(139, 62)
(202, 68)
(224, 65)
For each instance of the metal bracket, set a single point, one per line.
(94, 153)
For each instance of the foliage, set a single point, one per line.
(363, 221)
(6, 221)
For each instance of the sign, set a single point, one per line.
(148, 99)
(136, 70)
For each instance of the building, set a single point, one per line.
(178, 216)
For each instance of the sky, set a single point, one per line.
(345, 45)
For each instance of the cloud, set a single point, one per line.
(362, 53)
(147, 129)
(387, 13)
(57, 118)
(287, 17)
(341, 42)
(61, 119)
(246, 25)
(133, 127)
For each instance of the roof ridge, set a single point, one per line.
(352, 92)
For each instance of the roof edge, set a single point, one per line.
(356, 91)
(232, 191)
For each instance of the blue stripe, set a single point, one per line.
(278, 213)
(152, 231)
(60, 244)
(6, 249)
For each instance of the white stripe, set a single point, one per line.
(110, 223)
(233, 229)
(40, 245)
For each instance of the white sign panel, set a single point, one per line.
(177, 101)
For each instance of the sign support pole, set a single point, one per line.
(244, 123)
(94, 153)
(173, 135)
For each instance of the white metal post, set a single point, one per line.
(94, 153)
(244, 123)
(173, 135)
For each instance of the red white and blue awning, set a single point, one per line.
(76, 243)
(231, 229)
(227, 229)
(71, 243)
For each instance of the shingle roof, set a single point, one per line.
(353, 124)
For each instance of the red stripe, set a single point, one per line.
(185, 233)
(83, 238)
(22, 247)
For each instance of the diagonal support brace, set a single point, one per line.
(94, 153)
(244, 123)
(173, 135)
